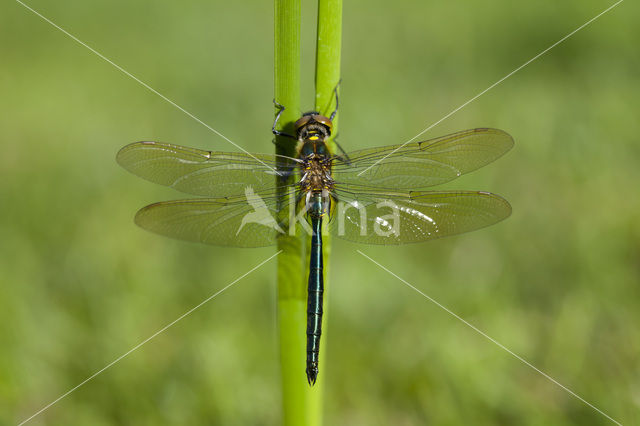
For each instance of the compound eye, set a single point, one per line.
(324, 120)
(302, 121)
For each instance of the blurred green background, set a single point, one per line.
(558, 283)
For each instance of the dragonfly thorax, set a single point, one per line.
(316, 174)
(316, 183)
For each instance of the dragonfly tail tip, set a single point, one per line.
(312, 375)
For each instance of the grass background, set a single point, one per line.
(558, 282)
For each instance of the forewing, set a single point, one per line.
(395, 218)
(249, 221)
(422, 164)
(199, 172)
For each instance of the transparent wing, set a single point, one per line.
(422, 164)
(199, 172)
(396, 218)
(243, 221)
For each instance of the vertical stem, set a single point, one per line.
(300, 403)
(328, 48)
(329, 39)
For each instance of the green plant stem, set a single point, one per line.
(300, 402)
(328, 45)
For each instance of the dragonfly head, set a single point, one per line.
(313, 127)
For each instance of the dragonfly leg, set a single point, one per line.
(344, 157)
(335, 111)
(275, 122)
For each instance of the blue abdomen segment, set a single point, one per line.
(314, 299)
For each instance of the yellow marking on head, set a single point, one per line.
(313, 138)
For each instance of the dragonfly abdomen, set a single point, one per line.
(314, 299)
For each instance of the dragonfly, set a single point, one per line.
(370, 196)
